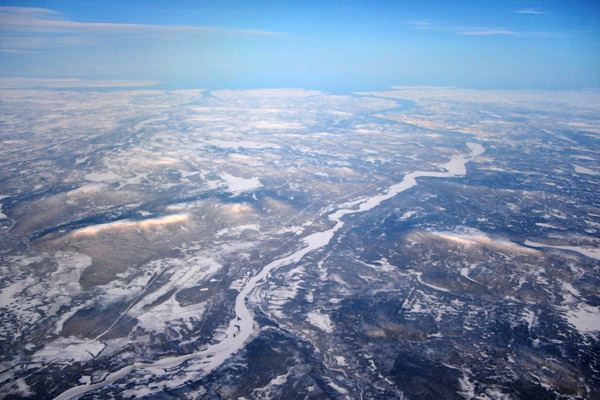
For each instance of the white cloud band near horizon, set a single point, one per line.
(45, 21)
(32, 83)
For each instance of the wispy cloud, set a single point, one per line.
(32, 11)
(506, 32)
(530, 11)
(30, 83)
(419, 24)
(16, 51)
(459, 30)
(486, 32)
(480, 31)
(40, 21)
(31, 43)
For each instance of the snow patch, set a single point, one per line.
(66, 276)
(470, 236)
(69, 349)
(321, 321)
(297, 229)
(584, 318)
(236, 185)
(102, 177)
(341, 361)
(237, 230)
(338, 388)
(586, 251)
(583, 170)
(246, 144)
(544, 225)
(128, 224)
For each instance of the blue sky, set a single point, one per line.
(336, 46)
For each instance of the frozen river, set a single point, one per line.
(191, 366)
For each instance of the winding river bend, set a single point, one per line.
(181, 369)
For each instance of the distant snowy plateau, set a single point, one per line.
(418, 243)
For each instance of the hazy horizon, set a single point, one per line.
(338, 47)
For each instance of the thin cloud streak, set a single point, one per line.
(505, 32)
(41, 20)
(460, 30)
(30, 83)
(530, 11)
(419, 23)
(488, 32)
(480, 31)
(17, 51)
(28, 10)
(36, 42)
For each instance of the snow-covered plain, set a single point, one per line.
(292, 243)
(242, 326)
